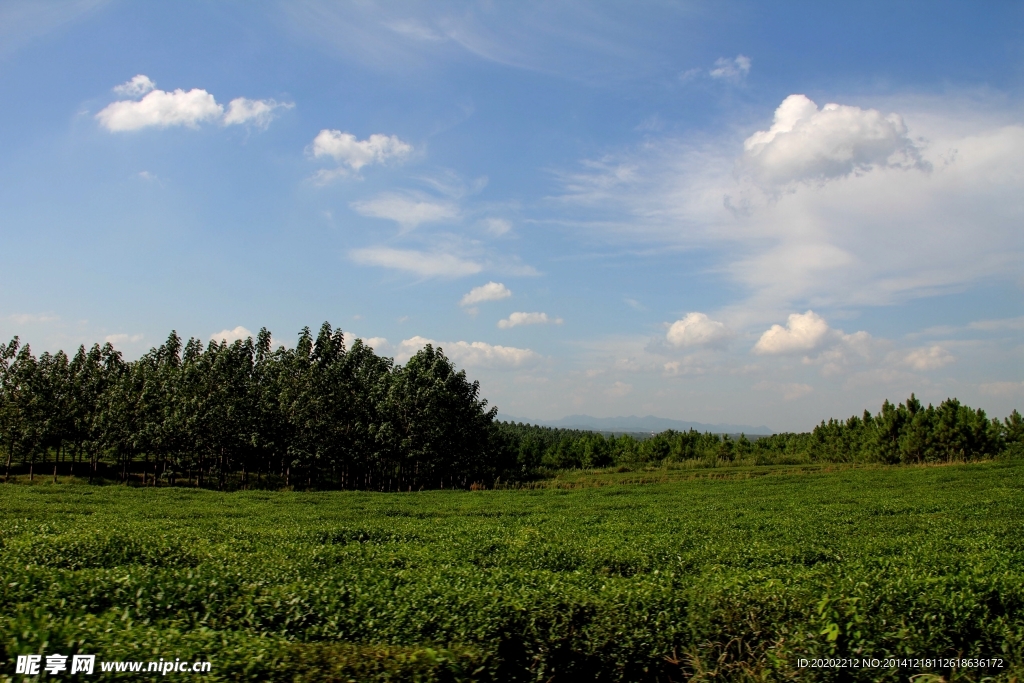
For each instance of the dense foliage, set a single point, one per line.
(734, 579)
(320, 414)
(325, 415)
(902, 433)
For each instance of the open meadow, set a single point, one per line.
(731, 579)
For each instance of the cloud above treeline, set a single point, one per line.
(523, 318)
(165, 109)
(476, 354)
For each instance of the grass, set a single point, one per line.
(693, 577)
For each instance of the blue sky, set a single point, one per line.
(723, 212)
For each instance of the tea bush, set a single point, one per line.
(735, 579)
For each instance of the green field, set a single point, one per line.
(711, 579)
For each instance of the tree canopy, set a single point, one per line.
(327, 415)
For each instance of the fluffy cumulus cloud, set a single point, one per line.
(827, 244)
(803, 332)
(163, 109)
(239, 333)
(928, 358)
(346, 149)
(423, 263)
(697, 329)
(472, 354)
(380, 345)
(520, 318)
(731, 69)
(492, 291)
(808, 143)
(408, 212)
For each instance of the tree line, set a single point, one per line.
(327, 415)
(322, 414)
(904, 433)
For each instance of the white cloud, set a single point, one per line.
(848, 351)
(122, 338)
(520, 318)
(731, 69)
(163, 109)
(803, 332)
(928, 358)
(426, 264)
(258, 112)
(492, 291)
(408, 212)
(346, 149)
(380, 345)
(807, 143)
(136, 87)
(697, 329)
(830, 244)
(239, 333)
(471, 354)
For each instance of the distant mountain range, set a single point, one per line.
(650, 423)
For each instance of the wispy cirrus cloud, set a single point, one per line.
(566, 40)
(734, 69)
(422, 263)
(408, 210)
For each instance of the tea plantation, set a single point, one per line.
(734, 579)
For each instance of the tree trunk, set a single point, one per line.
(10, 454)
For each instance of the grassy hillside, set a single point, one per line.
(728, 579)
